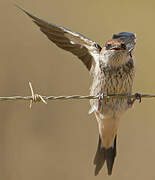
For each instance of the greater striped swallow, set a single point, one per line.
(112, 68)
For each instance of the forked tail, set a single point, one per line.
(103, 155)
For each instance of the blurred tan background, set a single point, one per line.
(58, 140)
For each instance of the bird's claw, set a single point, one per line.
(138, 97)
(100, 101)
(101, 96)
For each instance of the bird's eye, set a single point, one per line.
(123, 46)
(108, 46)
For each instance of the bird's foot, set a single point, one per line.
(100, 101)
(137, 97)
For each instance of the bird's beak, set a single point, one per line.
(117, 47)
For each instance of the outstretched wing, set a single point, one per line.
(85, 49)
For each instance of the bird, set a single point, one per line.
(112, 68)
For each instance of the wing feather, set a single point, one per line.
(84, 48)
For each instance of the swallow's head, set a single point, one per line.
(118, 50)
(115, 45)
(128, 38)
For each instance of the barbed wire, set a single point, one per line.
(34, 98)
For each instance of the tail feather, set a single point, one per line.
(99, 157)
(103, 155)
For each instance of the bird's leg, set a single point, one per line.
(137, 97)
(100, 101)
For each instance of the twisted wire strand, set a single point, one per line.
(11, 98)
(34, 98)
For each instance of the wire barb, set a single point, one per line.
(35, 97)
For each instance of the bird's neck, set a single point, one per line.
(114, 58)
